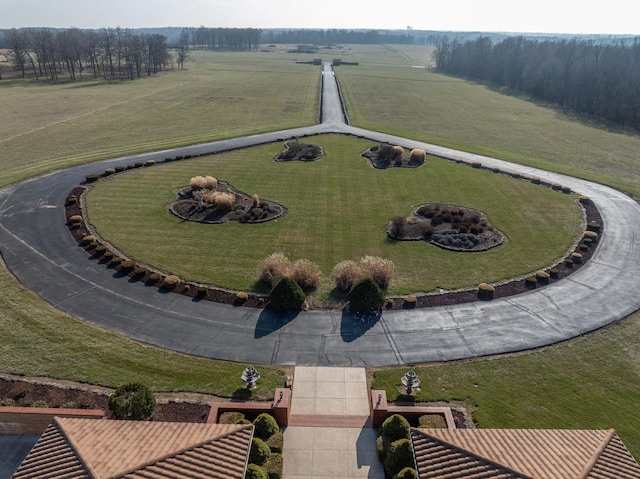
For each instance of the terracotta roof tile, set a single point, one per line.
(522, 453)
(136, 449)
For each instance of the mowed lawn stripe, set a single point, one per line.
(541, 224)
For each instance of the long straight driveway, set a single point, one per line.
(39, 250)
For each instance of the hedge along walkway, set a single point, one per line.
(39, 250)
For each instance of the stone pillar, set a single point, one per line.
(379, 408)
(281, 408)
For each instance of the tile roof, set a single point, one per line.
(521, 454)
(80, 448)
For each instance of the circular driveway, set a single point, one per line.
(42, 254)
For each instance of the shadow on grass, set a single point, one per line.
(270, 321)
(242, 394)
(354, 325)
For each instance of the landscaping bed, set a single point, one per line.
(22, 393)
(438, 298)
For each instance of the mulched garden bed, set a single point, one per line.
(22, 393)
(439, 298)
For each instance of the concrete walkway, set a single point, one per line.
(328, 435)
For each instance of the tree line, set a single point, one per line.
(600, 79)
(234, 39)
(74, 53)
(336, 36)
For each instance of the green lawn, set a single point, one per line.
(420, 104)
(48, 126)
(590, 383)
(337, 209)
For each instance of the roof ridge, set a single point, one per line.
(592, 462)
(241, 427)
(471, 453)
(75, 448)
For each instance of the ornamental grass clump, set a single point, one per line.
(381, 270)
(346, 274)
(306, 273)
(486, 291)
(418, 156)
(171, 281)
(273, 268)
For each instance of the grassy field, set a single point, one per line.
(421, 104)
(591, 382)
(331, 218)
(48, 126)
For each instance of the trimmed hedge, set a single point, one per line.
(230, 417)
(255, 472)
(366, 296)
(407, 473)
(274, 466)
(486, 291)
(133, 401)
(259, 452)
(287, 295)
(276, 442)
(400, 456)
(265, 426)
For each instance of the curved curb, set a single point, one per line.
(39, 250)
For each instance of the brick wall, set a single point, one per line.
(33, 421)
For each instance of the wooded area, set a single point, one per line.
(75, 53)
(600, 79)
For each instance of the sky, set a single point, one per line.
(540, 16)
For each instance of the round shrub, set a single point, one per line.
(150, 163)
(72, 200)
(92, 177)
(553, 272)
(287, 295)
(585, 200)
(255, 472)
(568, 262)
(120, 168)
(556, 186)
(171, 281)
(88, 239)
(40, 403)
(592, 236)
(133, 401)
(230, 417)
(259, 452)
(486, 291)
(75, 219)
(410, 301)
(583, 246)
(406, 473)
(476, 164)
(274, 466)
(154, 277)
(140, 271)
(593, 226)
(366, 296)
(202, 290)
(400, 456)
(566, 190)
(138, 164)
(107, 255)
(115, 261)
(276, 442)
(128, 264)
(543, 276)
(576, 257)
(395, 427)
(265, 426)
(535, 180)
(7, 402)
(109, 171)
(241, 297)
(530, 281)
